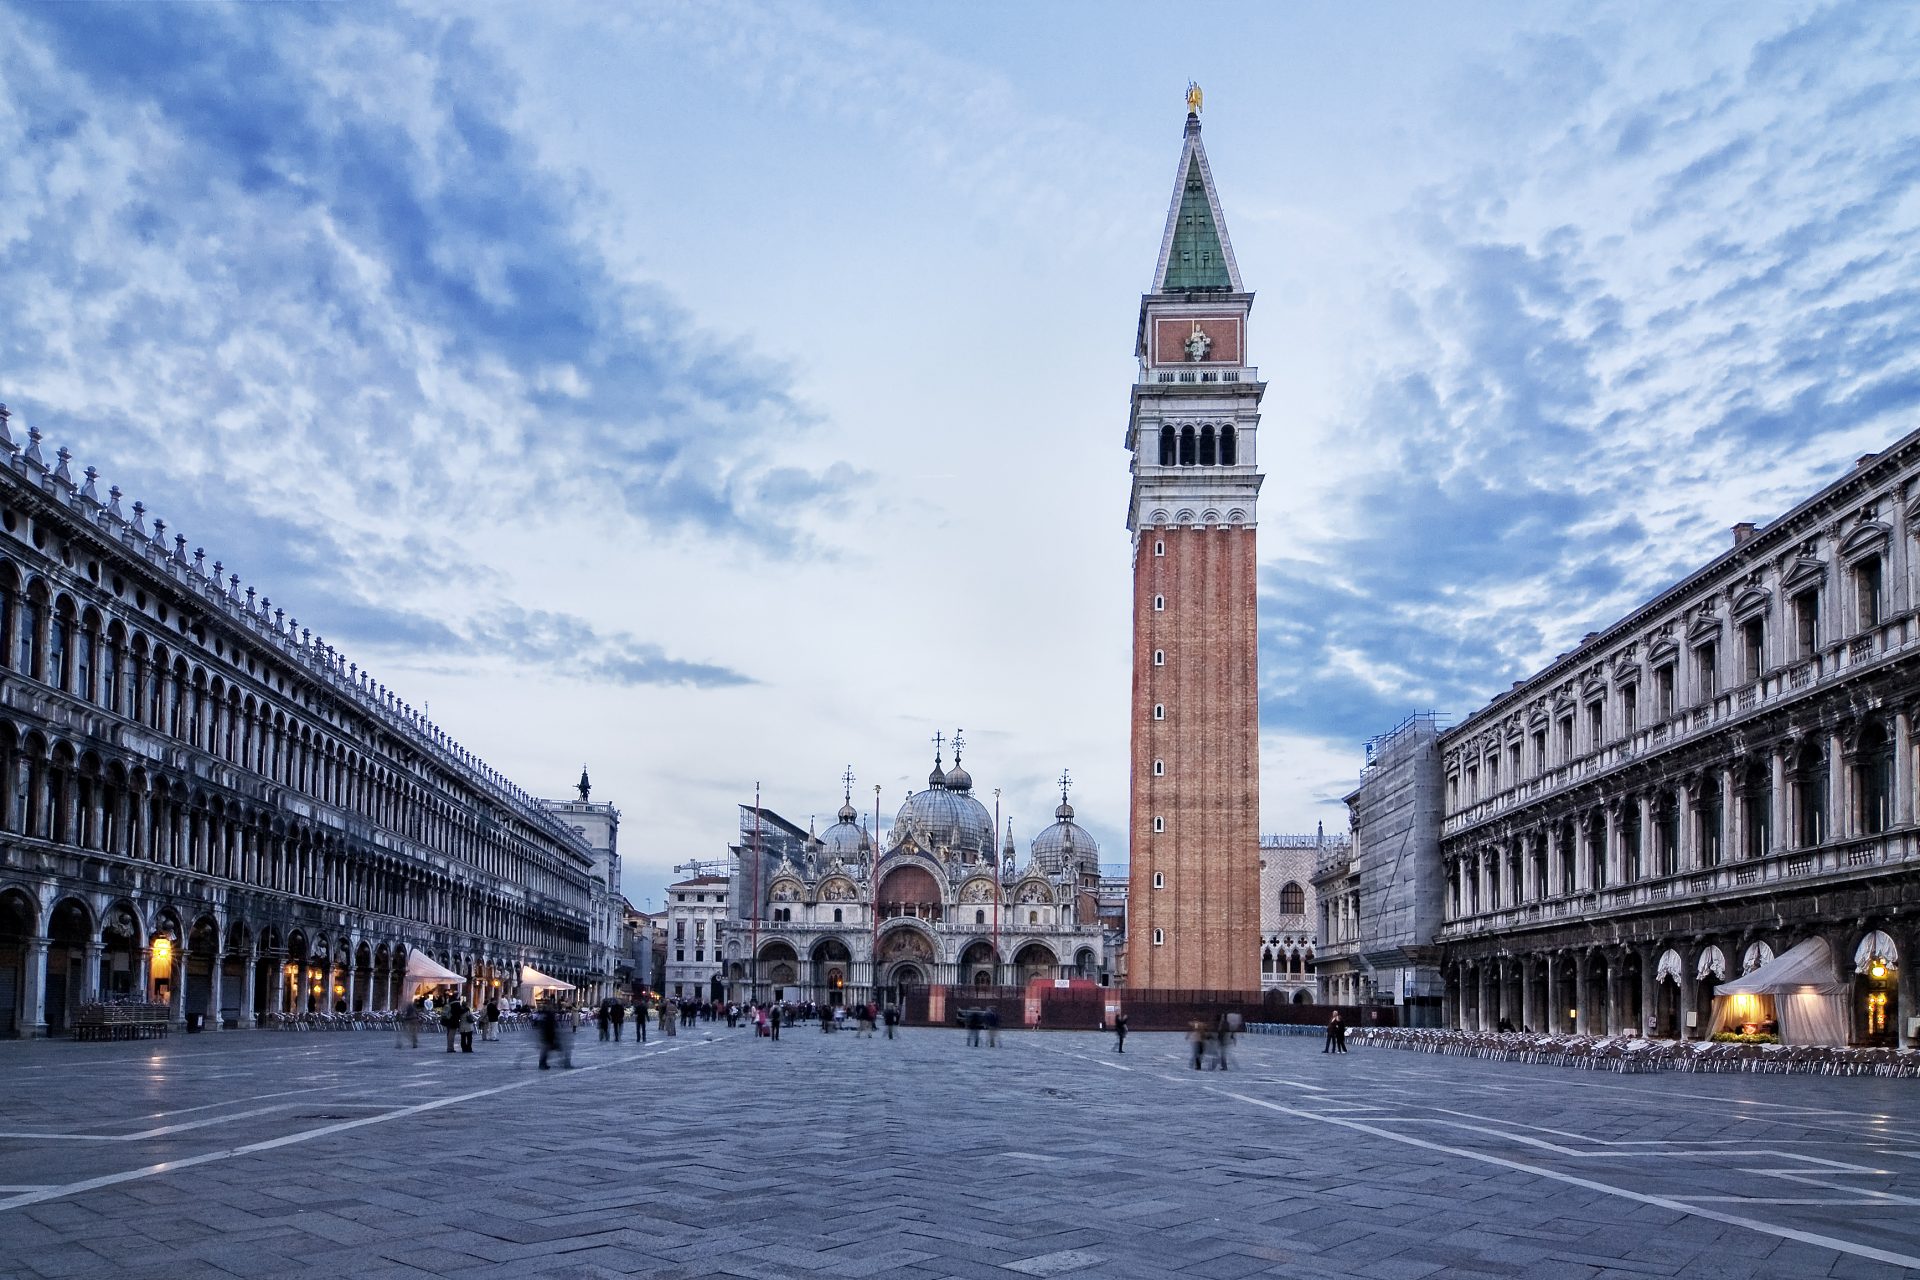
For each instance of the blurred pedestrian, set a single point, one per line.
(892, 1017)
(1120, 1033)
(1197, 1039)
(773, 1022)
(490, 1028)
(1333, 1031)
(467, 1025)
(406, 1029)
(619, 1015)
(993, 1026)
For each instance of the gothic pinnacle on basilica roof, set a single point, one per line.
(1195, 253)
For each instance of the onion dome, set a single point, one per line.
(939, 818)
(1064, 846)
(845, 839)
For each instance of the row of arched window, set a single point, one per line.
(1205, 446)
(1693, 824)
(49, 637)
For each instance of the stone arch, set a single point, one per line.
(19, 924)
(1035, 960)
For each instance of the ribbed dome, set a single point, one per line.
(847, 812)
(844, 839)
(953, 819)
(959, 779)
(1064, 845)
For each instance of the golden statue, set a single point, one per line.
(1193, 97)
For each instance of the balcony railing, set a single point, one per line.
(1843, 858)
(1197, 374)
(1895, 637)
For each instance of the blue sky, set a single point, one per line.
(729, 393)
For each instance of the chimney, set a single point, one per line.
(1742, 531)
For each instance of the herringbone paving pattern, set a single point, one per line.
(715, 1154)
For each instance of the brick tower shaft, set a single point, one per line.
(1193, 915)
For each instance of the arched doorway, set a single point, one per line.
(1709, 972)
(832, 963)
(1876, 991)
(1035, 961)
(119, 949)
(1086, 964)
(779, 972)
(1664, 1018)
(18, 916)
(907, 954)
(203, 953)
(68, 930)
(976, 965)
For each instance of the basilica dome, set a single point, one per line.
(844, 839)
(941, 817)
(1064, 845)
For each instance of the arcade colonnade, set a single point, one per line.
(202, 799)
(1666, 989)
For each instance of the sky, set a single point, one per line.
(726, 394)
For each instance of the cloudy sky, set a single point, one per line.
(731, 393)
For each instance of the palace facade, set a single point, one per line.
(1727, 771)
(204, 804)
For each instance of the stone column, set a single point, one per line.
(35, 1025)
(1733, 819)
(1551, 1006)
(1839, 813)
(90, 985)
(1689, 994)
(1642, 838)
(1483, 1016)
(142, 961)
(1902, 773)
(216, 980)
(279, 1001)
(1908, 988)
(1616, 856)
(1582, 997)
(352, 966)
(1777, 838)
(249, 986)
(1526, 993)
(177, 984)
(1649, 990)
(1686, 854)
(1582, 856)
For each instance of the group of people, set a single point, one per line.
(1209, 1043)
(459, 1019)
(767, 1018)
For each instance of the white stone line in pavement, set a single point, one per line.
(1774, 1200)
(1807, 1179)
(1605, 1188)
(35, 1187)
(159, 1131)
(25, 1198)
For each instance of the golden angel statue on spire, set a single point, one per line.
(1193, 97)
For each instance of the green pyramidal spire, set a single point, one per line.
(1195, 252)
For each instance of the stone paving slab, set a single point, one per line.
(714, 1154)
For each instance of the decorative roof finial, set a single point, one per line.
(87, 490)
(959, 741)
(1193, 97)
(1066, 783)
(586, 785)
(846, 780)
(939, 741)
(33, 446)
(60, 472)
(6, 436)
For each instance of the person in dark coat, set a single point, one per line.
(1334, 1031)
(1120, 1033)
(619, 1016)
(773, 1022)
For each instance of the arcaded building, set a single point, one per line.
(206, 805)
(1722, 774)
(1289, 911)
(1194, 833)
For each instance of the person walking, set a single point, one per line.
(640, 1020)
(667, 1025)
(993, 1026)
(1197, 1038)
(450, 1021)
(406, 1030)
(892, 1017)
(1333, 1032)
(490, 1030)
(1120, 1033)
(773, 1023)
(975, 1021)
(619, 1015)
(1221, 1037)
(467, 1025)
(1340, 1037)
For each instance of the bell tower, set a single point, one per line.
(1193, 913)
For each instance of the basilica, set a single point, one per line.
(941, 900)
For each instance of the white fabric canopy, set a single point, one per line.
(424, 971)
(1807, 996)
(534, 984)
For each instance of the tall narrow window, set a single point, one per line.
(1708, 820)
(1566, 738)
(1756, 812)
(1159, 879)
(1867, 583)
(1208, 454)
(1540, 750)
(57, 655)
(1229, 446)
(1167, 446)
(1159, 824)
(1753, 644)
(1159, 768)
(1596, 724)
(1873, 780)
(1159, 937)
(1663, 691)
(1159, 711)
(1629, 708)
(1706, 666)
(1806, 623)
(1159, 603)
(1188, 446)
(83, 666)
(29, 639)
(1810, 799)
(1159, 657)
(1159, 547)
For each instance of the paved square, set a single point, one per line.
(713, 1154)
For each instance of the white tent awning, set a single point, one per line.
(1805, 967)
(424, 971)
(538, 981)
